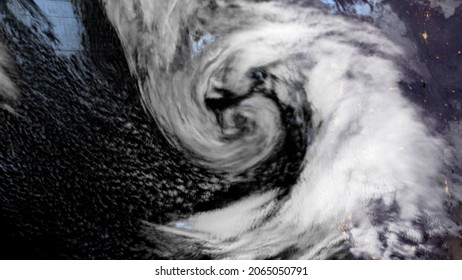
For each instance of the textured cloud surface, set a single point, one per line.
(229, 84)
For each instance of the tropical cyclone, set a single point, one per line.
(232, 82)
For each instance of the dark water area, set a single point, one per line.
(83, 166)
(439, 94)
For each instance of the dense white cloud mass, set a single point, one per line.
(371, 172)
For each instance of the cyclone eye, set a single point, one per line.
(258, 74)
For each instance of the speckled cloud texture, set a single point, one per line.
(371, 169)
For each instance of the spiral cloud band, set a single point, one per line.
(230, 129)
(238, 85)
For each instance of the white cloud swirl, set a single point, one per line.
(371, 171)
